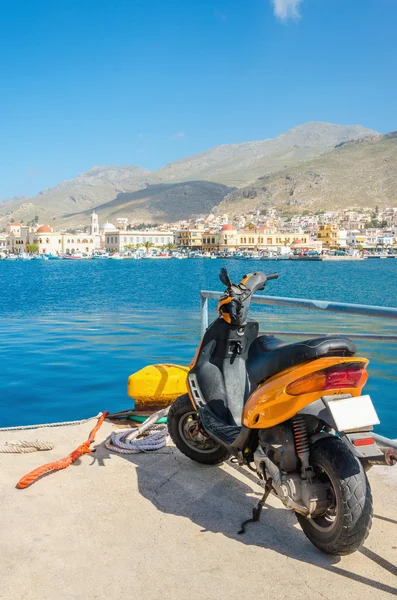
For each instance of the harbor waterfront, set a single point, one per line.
(72, 333)
(269, 236)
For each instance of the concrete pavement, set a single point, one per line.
(159, 526)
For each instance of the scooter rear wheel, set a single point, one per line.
(343, 528)
(189, 437)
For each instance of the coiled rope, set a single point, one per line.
(145, 438)
(23, 446)
(57, 465)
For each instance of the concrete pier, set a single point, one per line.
(342, 258)
(158, 526)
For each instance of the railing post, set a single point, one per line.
(203, 313)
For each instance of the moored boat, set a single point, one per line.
(116, 256)
(76, 256)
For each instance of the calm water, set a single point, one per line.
(72, 331)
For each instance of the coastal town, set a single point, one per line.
(349, 233)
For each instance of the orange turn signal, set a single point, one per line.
(306, 385)
(334, 378)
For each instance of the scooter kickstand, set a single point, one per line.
(257, 510)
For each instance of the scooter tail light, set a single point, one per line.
(333, 378)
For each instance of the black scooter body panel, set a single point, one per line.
(220, 369)
(237, 440)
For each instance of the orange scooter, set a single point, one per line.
(294, 413)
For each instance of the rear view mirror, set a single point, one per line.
(224, 277)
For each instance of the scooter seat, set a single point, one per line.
(269, 355)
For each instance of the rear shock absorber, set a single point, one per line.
(302, 445)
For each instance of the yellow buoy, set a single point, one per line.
(157, 386)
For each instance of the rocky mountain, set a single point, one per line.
(238, 164)
(357, 173)
(96, 186)
(159, 203)
(232, 165)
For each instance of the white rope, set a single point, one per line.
(145, 438)
(23, 446)
(61, 424)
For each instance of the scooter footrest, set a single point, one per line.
(224, 432)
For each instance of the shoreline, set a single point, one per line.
(303, 258)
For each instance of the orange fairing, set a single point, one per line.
(283, 395)
(246, 277)
(224, 301)
(226, 317)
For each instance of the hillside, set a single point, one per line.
(359, 173)
(233, 165)
(159, 203)
(96, 186)
(238, 164)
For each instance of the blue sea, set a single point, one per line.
(71, 332)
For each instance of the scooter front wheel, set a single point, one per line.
(189, 437)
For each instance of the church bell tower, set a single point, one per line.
(94, 228)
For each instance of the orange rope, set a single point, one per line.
(31, 477)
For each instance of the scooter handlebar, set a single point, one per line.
(234, 305)
(257, 281)
(272, 276)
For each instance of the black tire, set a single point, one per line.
(345, 527)
(182, 418)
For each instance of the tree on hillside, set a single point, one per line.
(374, 222)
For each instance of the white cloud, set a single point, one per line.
(179, 135)
(286, 9)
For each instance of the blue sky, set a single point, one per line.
(94, 82)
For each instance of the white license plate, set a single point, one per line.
(353, 413)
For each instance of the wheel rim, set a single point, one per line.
(328, 520)
(193, 435)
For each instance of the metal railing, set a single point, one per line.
(321, 305)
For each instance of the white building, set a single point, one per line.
(342, 238)
(21, 238)
(356, 237)
(3, 243)
(122, 222)
(116, 241)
